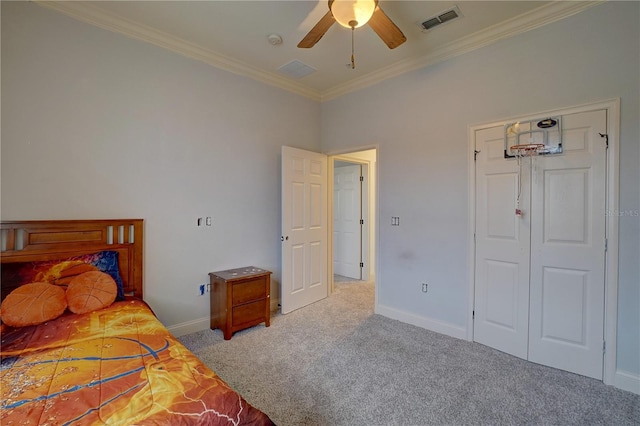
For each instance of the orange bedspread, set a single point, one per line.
(118, 365)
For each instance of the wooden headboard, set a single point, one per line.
(38, 240)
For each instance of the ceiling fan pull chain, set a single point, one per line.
(353, 61)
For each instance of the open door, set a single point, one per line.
(304, 228)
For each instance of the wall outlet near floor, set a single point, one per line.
(425, 287)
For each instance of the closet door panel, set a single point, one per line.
(567, 249)
(502, 248)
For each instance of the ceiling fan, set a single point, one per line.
(354, 14)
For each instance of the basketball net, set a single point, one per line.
(522, 152)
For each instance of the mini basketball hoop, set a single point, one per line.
(529, 139)
(523, 138)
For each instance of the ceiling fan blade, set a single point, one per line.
(317, 31)
(386, 29)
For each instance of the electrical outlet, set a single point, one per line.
(425, 287)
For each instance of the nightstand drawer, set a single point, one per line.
(248, 291)
(249, 313)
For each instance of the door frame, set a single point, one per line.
(612, 106)
(367, 209)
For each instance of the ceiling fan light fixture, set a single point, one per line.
(352, 13)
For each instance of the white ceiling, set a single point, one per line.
(233, 35)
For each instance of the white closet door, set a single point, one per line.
(502, 248)
(347, 230)
(568, 249)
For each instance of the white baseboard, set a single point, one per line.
(627, 381)
(424, 322)
(274, 305)
(203, 323)
(189, 327)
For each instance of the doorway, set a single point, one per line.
(307, 224)
(348, 221)
(352, 216)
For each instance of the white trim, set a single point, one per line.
(626, 381)
(423, 322)
(330, 176)
(611, 230)
(189, 327)
(471, 230)
(538, 17)
(612, 106)
(366, 227)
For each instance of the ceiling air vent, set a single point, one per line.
(296, 69)
(440, 18)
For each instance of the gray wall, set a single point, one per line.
(97, 125)
(420, 121)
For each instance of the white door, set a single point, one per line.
(568, 249)
(304, 228)
(347, 227)
(539, 277)
(501, 311)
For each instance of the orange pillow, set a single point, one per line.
(33, 304)
(72, 271)
(63, 272)
(91, 291)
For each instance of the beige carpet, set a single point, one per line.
(337, 363)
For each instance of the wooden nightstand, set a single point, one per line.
(240, 298)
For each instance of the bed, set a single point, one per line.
(113, 365)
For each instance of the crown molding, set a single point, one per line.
(536, 18)
(84, 11)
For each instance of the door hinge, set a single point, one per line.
(606, 138)
(361, 221)
(606, 244)
(361, 264)
(604, 346)
(361, 178)
(473, 314)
